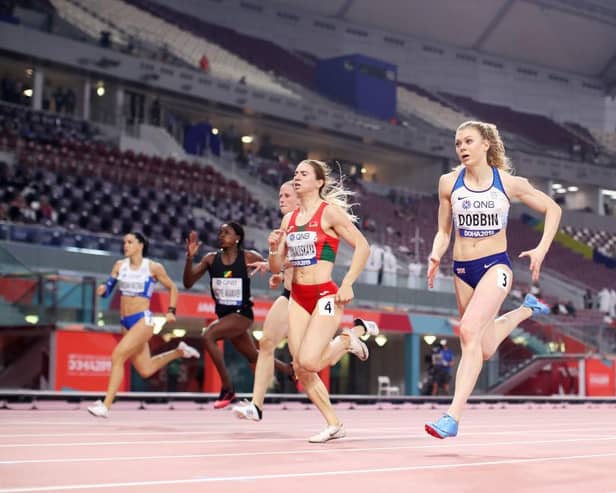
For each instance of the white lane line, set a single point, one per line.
(251, 439)
(285, 452)
(233, 428)
(346, 472)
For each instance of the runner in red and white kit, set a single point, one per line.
(275, 329)
(309, 237)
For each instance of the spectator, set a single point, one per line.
(605, 301)
(414, 280)
(570, 308)
(588, 299)
(390, 267)
(443, 361)
(204, 63)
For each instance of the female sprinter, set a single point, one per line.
(230, 288)
(311, 235)
(136, 276)
(476, 195)
(276, 326)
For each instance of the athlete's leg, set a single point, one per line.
(479, 314)
(275, 329)
(146, 364)
(228, 327)
(131, 343)
(312, 384)
(315, 352)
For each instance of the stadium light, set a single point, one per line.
(556, 186)
(380, 340)
(247, 139)
(214, 131)
(429, 340)
(572, 189)
(28, 93)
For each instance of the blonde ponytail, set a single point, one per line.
(332, 191)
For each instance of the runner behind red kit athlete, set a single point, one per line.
(230, 288)
(136, 277)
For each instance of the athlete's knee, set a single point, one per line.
(145, 371)
(118, 356)
(309, 363)
(487, 354)
(470, 333)
(267, 345)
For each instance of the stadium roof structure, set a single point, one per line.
(575, 36)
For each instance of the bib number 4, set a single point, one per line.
(327, 307)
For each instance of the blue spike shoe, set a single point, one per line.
(445, 427)
(535, 305)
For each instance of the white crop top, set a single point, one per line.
(479, 214)
(136, 282)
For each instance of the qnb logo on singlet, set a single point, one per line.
(228, 291)
(301, 248)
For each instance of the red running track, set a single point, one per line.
(537, 448)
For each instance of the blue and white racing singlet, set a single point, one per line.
(479, 214)
(136, 282)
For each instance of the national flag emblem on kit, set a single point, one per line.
(227, 273)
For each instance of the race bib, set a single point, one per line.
(301, 248)
(327, 306)
(479, 224)
(227, 291)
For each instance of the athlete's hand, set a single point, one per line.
(262, 267)
(101, 290)
(433, 265)
(536, 257)
(274, 239)
(344, 295)
(192, 244)
(275, 280)
(169, 318)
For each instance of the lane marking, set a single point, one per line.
(278, 439)
(347, 472)
(294, 452)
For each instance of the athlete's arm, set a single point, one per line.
(339, 221)
(105, 289)
(443, 234)
(193, 274)
(278, 246)
(252, 256)
(160, 274)
(521, 189)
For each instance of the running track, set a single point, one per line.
(536, 448)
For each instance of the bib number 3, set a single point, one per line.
(502, 278)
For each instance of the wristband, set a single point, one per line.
(171, 309)
(109, 285)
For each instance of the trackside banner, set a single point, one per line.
(202, 306)
(83, 360)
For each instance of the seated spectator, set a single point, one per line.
(588, 300)
(570, 308)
